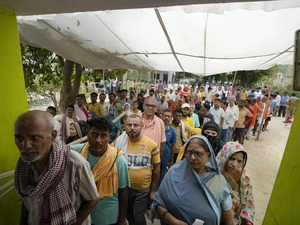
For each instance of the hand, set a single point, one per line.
(122, 221)
(148, 214)
(152, 196)
(169, 164)
(180, 222)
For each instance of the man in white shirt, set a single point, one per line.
(171, 95)
(278, 99)
(229, 118)
(217, 112)
(233, 108)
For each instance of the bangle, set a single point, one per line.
(163, 215)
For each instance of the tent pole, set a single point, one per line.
(234, 78)
(273, 78)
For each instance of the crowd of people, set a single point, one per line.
(174, 153)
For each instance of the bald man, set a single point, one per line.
(55, 184)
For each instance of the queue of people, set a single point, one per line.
(172, 156)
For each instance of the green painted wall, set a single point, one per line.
(14, 102)
(284, 204)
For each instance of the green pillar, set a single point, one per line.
(284, 204)
(13, 101)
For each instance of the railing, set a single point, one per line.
(7, 187)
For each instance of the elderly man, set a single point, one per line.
(144, 169)
(54, 183)
(110, 171)
(233, 108)
(153, 127)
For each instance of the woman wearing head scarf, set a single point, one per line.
(232, 160)
(194, 188)
(211, 131)
(112, 114)
(127, 109)
(91, 115)
(78, 130)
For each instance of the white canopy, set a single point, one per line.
(203, 39)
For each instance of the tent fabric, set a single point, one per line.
(204, 39)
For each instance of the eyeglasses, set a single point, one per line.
(152, 106)
(195, 153)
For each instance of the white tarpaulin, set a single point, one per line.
(203, 39)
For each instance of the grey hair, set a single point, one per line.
(150, 97)
(48, 117)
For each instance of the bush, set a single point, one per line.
(283, 88)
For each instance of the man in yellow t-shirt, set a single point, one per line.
(244, 94)
(144, 170)
(95, 106)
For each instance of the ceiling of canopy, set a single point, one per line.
(199, 38)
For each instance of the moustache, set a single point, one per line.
(28, 152)
(96, 148)
(132, 131)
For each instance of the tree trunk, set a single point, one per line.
(67, 93)
(77, 78)
(53, 98)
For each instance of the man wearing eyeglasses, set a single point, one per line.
(153, 127)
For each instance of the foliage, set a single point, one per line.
(41, 68)
(138, 76)
(112, 74)
(42, 72)
(46, 73)
(282, 88)
(251, 78)
(97, 74)
(193, 78)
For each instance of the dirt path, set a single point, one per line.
(264, 158)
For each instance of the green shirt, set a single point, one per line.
(107, 209)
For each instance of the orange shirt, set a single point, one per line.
(259, 104)
(255, 109)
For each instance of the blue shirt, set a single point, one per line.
(283, 100)
(170, 140)
(272, 105)
(195, 117)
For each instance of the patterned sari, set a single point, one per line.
(241, 192)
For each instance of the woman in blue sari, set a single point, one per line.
(112, 114)
(194, 189)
